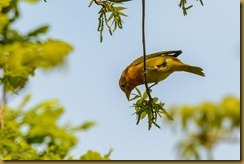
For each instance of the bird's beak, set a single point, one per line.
(128, 95)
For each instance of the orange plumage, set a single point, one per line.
(159, 66)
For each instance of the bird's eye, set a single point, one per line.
(123, 86)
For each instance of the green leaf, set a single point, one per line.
(201, 2)
(189, 7)
(38, 31)
(143, 114)
(155, 100)
(145, 95)
(32, 1)
(93, 155)
(123, 14)
(120, 8)
(84, 126)
(138, 91)
(25, 101)
(90, 4)
(136, 97)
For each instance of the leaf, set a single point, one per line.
(201, 2)
(84, 126)
(32, 1)
(145, 95)
(123, 14)
(155, 100)
(4, 3)
(138, 91)
(25, 101)
(143, 114)
(119, 8)
(167, 115)
(90, 4)
(136, 97)
(3, 21)
(110, 17)
(93, 155)
(38, 31)
(189, 7)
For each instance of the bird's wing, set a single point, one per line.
(139, 60)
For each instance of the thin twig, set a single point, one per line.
(100, 3)
(2, 105)
(4, 98)
(144, 50)
(1, 117)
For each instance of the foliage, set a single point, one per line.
(19, 60)
(114, 10)
(183, 3)
(93, 155)
(143, 106)
(35, 133)
(152, 109)
(22, 54)
(28, 130)
(110, 15)
(207, 124)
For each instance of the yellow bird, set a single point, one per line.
(159, 66)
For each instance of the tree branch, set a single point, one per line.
(2, 106)
(1, 117)
(144, 50)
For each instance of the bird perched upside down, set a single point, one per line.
(159, 66)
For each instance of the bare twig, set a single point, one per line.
(1, 117)
(2, 106)
(144, 50)
(100, 3)
(4, 98)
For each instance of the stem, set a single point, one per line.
(2, 105)
(100, 3)
(144, 51)
(4, 98)
(1, 117)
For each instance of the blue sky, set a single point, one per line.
(88, 85)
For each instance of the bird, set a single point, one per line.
(159, 66)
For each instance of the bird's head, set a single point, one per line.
(125, 85)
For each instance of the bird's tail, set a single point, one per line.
(192, 69)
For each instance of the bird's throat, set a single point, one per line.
(135, 76)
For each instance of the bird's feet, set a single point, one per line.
(153, 85)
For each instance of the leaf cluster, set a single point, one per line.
(94, 155)
(184, 8)
(150, 108)
(33, 133)
(207, 124)
(28, 130)
(19, 60)
(22, 54)
(110, 15)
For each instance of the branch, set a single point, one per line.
(110, 15)
(2, 105)
(144, 51)
(145, 104)
(1, 117)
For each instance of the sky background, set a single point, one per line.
(88, 85)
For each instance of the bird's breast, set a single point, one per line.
(135, 75)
